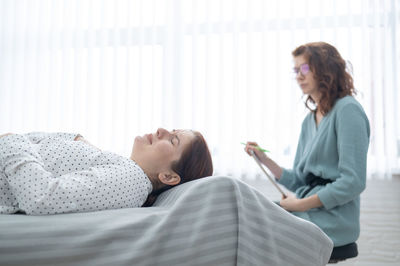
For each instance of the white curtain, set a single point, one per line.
(114, 69)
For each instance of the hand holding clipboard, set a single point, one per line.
(265, 172)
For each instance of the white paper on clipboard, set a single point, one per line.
(265, 172)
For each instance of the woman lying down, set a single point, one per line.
(49, 173)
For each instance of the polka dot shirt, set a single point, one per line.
(49, 173)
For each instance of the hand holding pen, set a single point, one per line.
(260, 152)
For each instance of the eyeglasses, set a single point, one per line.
(303, 69)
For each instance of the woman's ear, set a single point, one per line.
(169, 178)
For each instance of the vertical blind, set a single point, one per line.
(114, 69)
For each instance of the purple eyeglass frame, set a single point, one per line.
(303, 69)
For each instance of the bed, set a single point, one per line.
(213, 221)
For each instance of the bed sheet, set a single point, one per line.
(212, 221)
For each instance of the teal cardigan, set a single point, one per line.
(335, 150)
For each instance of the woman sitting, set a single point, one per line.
(329, 170)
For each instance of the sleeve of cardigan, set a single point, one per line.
(352, 130)
(289, 177)
(290, 180)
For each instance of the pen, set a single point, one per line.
(257, 147)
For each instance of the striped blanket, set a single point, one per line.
(212, 221)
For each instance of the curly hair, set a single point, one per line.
(329, 70)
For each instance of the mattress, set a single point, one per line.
(212, 221)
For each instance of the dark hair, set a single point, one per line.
(195, 163)
(329, 70)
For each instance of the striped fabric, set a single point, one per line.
(213, 221)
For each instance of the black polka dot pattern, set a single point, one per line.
(49, 173)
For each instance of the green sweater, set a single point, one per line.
(335, 150)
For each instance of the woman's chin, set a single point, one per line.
(139, 139)
(306, 91)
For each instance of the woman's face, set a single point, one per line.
(155, 152)
(305, 77)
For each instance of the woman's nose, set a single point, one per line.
(299, 76)
(161, 132)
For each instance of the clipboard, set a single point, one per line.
(265, 172)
